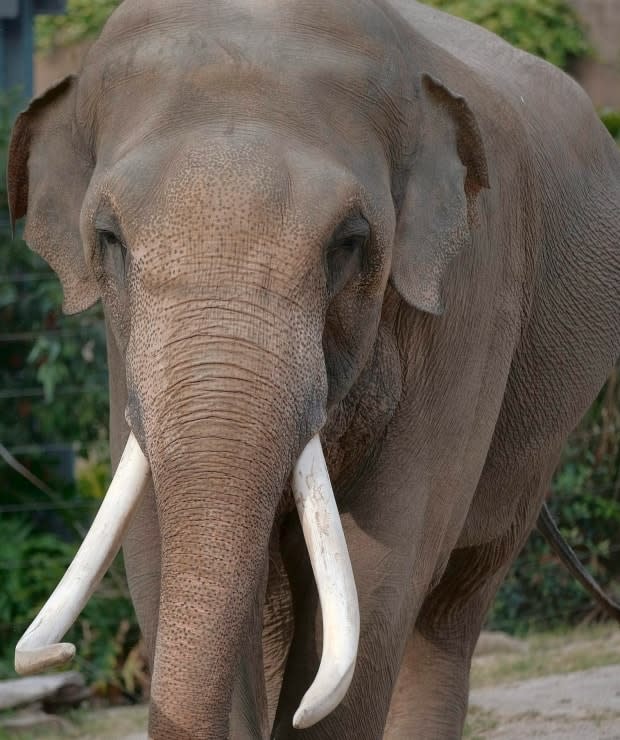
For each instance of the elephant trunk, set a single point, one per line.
(216, 512)
(221, 444)
(223, 440)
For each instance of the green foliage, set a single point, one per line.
(611, 120)
(93, 473)
(31, 565)
(84, 19)
(548, 28)
(53, 389)
(52, 367)
(539, 593)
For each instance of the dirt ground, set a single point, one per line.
(583, 704)
(557, 687)
(560, 687)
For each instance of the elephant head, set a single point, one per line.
(239, 203)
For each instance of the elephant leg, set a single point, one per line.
(431, 676)
(262, 661)
(432, 690)
(385, 611)
(248, 715)
(277, 626)
(142, 556)
(431, 693)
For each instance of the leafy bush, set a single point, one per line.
(52, 367)
(539, 592)
(611, 120)
(53, 389)
(548, 28)
(31, 565)
(84, 19)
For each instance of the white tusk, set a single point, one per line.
(39, 648)
(331, 565)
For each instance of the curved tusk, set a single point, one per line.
(39, 648)
(331, 565)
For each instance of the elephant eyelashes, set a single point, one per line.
(113, 254)
(345, 253)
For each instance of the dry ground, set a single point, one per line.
(560, 687)
(557, 687)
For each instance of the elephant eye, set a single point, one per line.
(346, 252)
(113, 253)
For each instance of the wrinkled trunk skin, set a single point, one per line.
(224, 412)
(214, 554)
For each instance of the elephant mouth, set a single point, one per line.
(39, 648)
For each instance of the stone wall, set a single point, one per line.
(599, 75)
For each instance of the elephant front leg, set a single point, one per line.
(431, 694)
(385, 597)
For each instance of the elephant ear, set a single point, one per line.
(48, 174)
(437, 210)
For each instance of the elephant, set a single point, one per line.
(363, 237)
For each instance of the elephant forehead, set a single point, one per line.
(220, 190)
(247, 185)
(163, 65)
(238, 203)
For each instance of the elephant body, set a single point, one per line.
(369, 219)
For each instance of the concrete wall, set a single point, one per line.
(600, 75)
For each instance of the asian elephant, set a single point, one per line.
(363, 220)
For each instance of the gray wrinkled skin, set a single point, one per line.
(367, 218)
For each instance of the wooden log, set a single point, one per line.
(20, 691)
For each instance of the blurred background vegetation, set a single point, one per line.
(53, 422)
(54, 465)
(548, 28)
